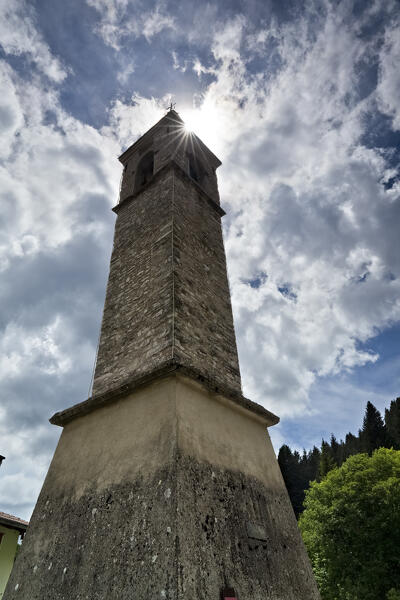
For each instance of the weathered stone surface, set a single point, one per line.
(218, 551)
(203, 329)
(168, 294)
(137, 327)
(151, 496)
(184, 537)
(82, 548)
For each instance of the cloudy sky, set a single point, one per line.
(300, 101)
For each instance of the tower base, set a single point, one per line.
(171, 492)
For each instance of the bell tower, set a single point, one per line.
(164, 483)
(167, 301)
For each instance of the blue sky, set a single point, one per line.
(300, 101)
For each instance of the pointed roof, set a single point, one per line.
(172, 117)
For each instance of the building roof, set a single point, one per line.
(13, 522)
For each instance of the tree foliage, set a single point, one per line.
(297, 473)
(373, 433)
(299, 470)
(351, 528)
(326, 461)
(392, 423)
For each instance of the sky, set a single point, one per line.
(300, 101)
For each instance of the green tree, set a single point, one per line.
(313, 458)
(392, 422)
(335, 449)
(373, 432)
(297, 472)
(326, 460)
(351, 528)
(289, 463)
(351, 445)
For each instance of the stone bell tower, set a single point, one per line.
(164, 483)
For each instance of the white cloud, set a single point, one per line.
(126, 71)
(19, 36)
(48, 167)
(11, 117)
(204, 22)
(122, 19)
(21, 352)
(388, 90)
(177, 65)
(112, 10)
(128, 122)
(199, 68)
(155, 21)
(28, 453)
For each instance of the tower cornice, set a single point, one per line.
(169, 368)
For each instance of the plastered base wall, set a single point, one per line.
(154, 496)
(8, 548)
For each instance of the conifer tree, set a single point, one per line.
(335, 449)
(392, 422)
(351, 445)
(326, 461)
(289, 467)
(313, 463)
(289, 463)
(373, 433)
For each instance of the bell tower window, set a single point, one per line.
(193, 169)
(144, 171)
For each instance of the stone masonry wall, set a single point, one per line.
(203, 329)
(167, 295)
(118, 543)
(136, 332)
(223, 509)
